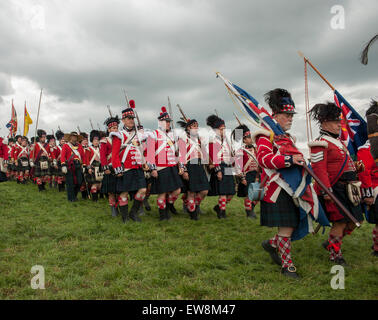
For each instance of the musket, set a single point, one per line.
(90, 121)
(98, 127)
(237, 119)
(173, 124)
(216, 112)
(78, 128)
(182, 113)
(59, 128)
(110, 112)
(126, 98)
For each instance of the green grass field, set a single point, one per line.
(87, 254)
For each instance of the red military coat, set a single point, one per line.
(368, 177)
(3, 150)
(92, 154)
(67, 151)
(106, 152)
(246, 160)
(220, 151)
(328, 156)
(126, 151)
(161, 150)
(273, 154)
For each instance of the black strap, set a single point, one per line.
(341, 170)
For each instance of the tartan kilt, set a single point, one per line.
(58, 172)
(168, 180)
(197, 179)
(242, 189)
(20, 167)
(224, 187)
(340, 191)
(3, 177)
(372, 216)
(282, 213)
(91, 178)
(131, 180)
(109, 183)
(38, 172)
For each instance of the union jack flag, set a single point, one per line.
(353, 126)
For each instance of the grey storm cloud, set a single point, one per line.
(83, 53)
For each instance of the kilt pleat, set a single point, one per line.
(224, 187)
(131, 180)
(197, 179)
(282, 213)
(168, 180)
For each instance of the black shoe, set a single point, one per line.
(101, 196)
(146, 204)
(84, 195)
(272, 251)
(191, 214)
(95, 197)
(171, 208)
(216, 209)
(325, 244)
(167, 215)
(195, 214)
(290, 272)
(374, 253)
(124, 212)
(40, 188)
(250, 214)
(114, 211)
(161, 214)
(134, 211)
(341, 261)
(223, 214)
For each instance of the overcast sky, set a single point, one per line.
(83, 53)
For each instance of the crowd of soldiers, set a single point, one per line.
(127, 163)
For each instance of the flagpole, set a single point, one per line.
(316, 70)
(39, 106)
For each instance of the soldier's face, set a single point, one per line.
(285, 120)
(332, 126)
(95, 142)
(193, 129)
(84, 142)
(128, 122)
(247, 140)
(62, 141)
(113, 129)
(42, 139)
(73, 139)
(221, 130)
(24, 143)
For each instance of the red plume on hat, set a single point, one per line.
(132, 104)
(164, 115)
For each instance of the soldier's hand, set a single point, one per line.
(219, 175)
(154, 173)
(120, 175)
(145, 167)
(369, 201)
(186, 176)
(31, 164)
(181, 171)
(327, 198)
(298, 159)
(107, 171)
(244, 181)
(90, 171)
(64, 169)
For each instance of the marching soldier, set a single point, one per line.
(332, 163)
(165, 169)
(194, 177)
(73, 161)
(51, 149)
(84, 143)
(277, 207)
(247, 168)
(369, 178)
(59, 176)
(127, 160)
(40, 159)
(4, 158)
(15, 149)
(221, 161)
(94, 176)
(21, 156)
(9, 174)
(109, 181)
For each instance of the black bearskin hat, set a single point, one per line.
(40, 133)
(11, 140)
(246, 132)
(279, 100)
(214, 121)
(129, 111)
(164, 115)
(185, 124)
(59, 135)
(373, 107)
(84, 135)
(50, 137)
(94, 134)
(112, 121)
(328, 111)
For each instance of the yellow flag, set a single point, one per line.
(27, 121)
